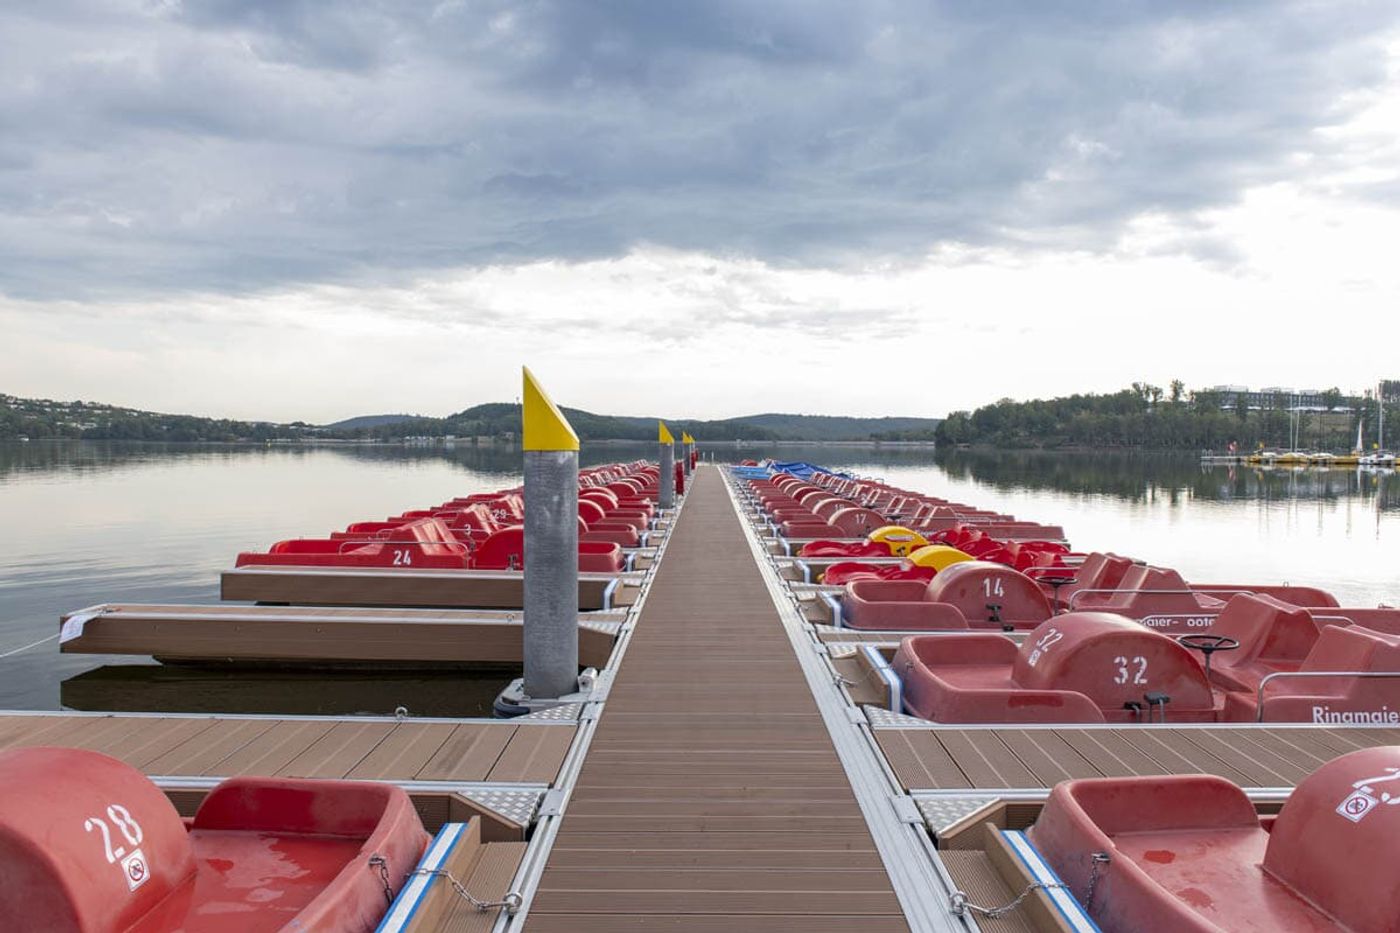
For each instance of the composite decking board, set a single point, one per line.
(1047, 755)
(1008, 757)
(975, 876)
(711, 797)
(533, 755)
(199, 746)
(336, 753)
(986, 760)
(730, 922)
(920, 760)
(404, 751)
(200, 754)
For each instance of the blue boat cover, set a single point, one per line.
(802, 469)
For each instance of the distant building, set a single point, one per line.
(1281, 397)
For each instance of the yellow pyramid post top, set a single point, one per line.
(686, 438)
(663, 433)
(545, 427)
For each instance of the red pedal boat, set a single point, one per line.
(90, 846)
(1188, 853)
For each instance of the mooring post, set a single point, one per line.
(551, 547)
(666, 483)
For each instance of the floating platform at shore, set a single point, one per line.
(738, 764)
(432, 589)
(320, 636)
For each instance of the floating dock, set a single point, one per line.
(733, 768)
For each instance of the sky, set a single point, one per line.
(297, 210)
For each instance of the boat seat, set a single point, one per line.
(1381, 619)
(1158, 598)
(90, 845)
(1099, 571)
(1189, 853)
(990, 595)
(1079, 667)
(1340, 699)
(421, 543)
(1273, 636)
(505, 550)
(876, 604)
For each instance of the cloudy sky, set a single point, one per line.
(314, 210)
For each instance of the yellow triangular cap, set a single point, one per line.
(687, 438)
(663, 433)
(545, 426)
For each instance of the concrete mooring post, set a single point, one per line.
(666, 484)
(687, 448)
(551, 547)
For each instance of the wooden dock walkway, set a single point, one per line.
(711, 798)
(364, 749)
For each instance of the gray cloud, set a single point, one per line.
(160, 146)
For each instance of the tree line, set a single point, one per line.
(1145, 415)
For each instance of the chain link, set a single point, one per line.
(511, 901)
(378, 861)
(960, 903)
(1096, 862)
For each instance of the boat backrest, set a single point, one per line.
(87, 842)
(1271, 633)
(1337, 840)
(975, 587)
(1111, 660)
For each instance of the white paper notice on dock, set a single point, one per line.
(73, 626)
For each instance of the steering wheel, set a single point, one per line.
(1208, 645)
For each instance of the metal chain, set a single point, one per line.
(959, 903)
(511, 901)
(383, 864)
(1096, 861)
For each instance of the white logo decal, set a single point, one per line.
(1363, 798)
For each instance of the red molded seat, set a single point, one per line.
(505, 550)
(825, 548)
(1274, 636)
(1381, 619)
(1079, 667)
(421, 543)
(90, 845)
(895, 605)
(1098, 571)
(1189, 853)
(991, 595)
(845, 572)
(1158, 598)
(855, 522)
(1340, 699)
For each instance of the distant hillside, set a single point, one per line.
(839, 428)
(38, 418)
(367, 421)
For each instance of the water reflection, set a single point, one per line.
(90, 522)
(1138, 476)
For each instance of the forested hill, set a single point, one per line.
(1145, 416)
(45, 418)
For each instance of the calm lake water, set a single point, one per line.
(86, 523)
